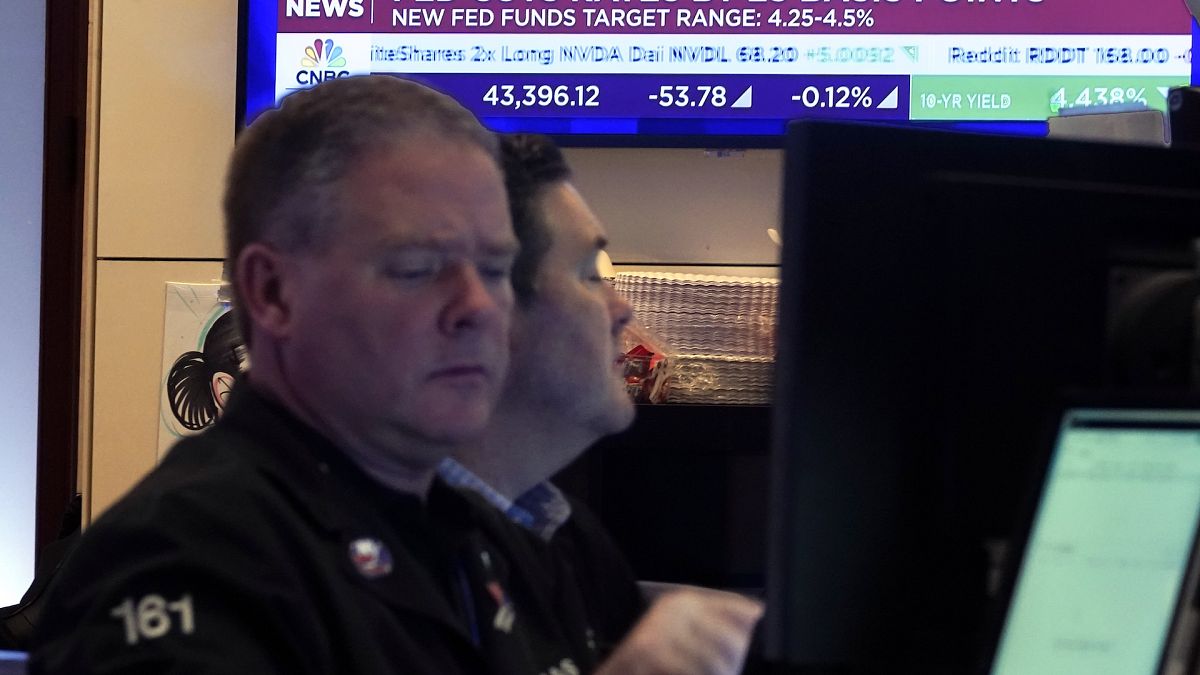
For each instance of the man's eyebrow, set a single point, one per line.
(401, 244)
(508, 247)
(505, 247)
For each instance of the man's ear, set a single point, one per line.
(262, 274)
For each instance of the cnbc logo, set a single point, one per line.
(322, 60)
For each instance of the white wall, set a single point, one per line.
(23, 33)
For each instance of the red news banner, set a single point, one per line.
(916, 17)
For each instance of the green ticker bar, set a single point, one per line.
(1030, 97)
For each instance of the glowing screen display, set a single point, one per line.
(712, 67)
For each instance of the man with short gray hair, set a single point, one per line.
(370, 249)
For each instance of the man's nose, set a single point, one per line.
(619, 308)
(474, 299)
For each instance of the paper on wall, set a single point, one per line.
(201, 358)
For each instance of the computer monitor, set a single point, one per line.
(938, 291)
(1099, 572)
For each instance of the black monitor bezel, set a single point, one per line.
(820, 175)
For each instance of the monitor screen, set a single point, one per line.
(727, 69)
(938, 291)
(1105, 560)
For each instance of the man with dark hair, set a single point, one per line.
(564, 392)
(370, 248)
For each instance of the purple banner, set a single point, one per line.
(800, 17)
(883, 97)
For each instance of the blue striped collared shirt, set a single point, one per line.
(542, 509)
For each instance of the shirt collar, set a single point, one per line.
(542, 509)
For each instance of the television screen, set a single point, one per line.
(714, 68)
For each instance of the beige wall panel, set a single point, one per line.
(683, 206)
(128, 364)
(166, 126)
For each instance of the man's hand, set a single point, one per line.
(693, 631)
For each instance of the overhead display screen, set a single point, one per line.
(729, 67)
